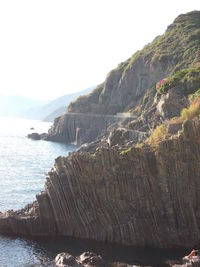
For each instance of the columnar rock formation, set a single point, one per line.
(139, 196)
(118, 190)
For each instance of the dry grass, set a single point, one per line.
(192, 111)
(176, 120)
(158, 134)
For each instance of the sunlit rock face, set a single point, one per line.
(131, 86)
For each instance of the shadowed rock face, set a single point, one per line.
(142, 196)
(80, 128)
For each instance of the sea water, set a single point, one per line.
(23, 167)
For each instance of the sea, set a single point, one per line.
(24, 164)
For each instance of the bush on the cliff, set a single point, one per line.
(190, 76)
(180, 44)
(193, 110)
(158, 134)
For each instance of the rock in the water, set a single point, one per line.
(34, 136)
(90, 258)
(193, 261)
(66, 260)
(37, 136)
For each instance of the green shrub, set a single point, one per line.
(190, 75)
(126, 151)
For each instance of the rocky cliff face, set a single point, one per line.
(81, 128)
(127, 87)
(122, 188)
(142, 196)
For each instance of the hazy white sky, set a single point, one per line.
(50, 48)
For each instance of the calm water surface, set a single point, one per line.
(23, 164)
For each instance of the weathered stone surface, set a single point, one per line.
(139, 196)
(173, 128)
(121, 136)
(66, 260)
(79, 128)
(172, 103)
(90, 258)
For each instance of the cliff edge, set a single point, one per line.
(142, 196)
(138, 181)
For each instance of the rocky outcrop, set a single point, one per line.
(171, 104)
(34, 136)
(65, 259)
(141, 196)
(80, 128)
(129, 86)
(189, 261)
(86, 259)
(122, 136)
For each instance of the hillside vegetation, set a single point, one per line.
(177, 49)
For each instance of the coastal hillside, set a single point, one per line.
(131, 87)
(137, 181)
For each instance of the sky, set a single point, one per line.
(51, 48)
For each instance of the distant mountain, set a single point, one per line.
(55, 114)
(15, 105)
(54, 108)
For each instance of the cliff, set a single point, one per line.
(138, 182)
(131, 86)
(142, 195)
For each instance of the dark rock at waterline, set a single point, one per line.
(65, 259)
(37, 136)
(34, 136)
(193, 261)
(90, 258)
(85, 259)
